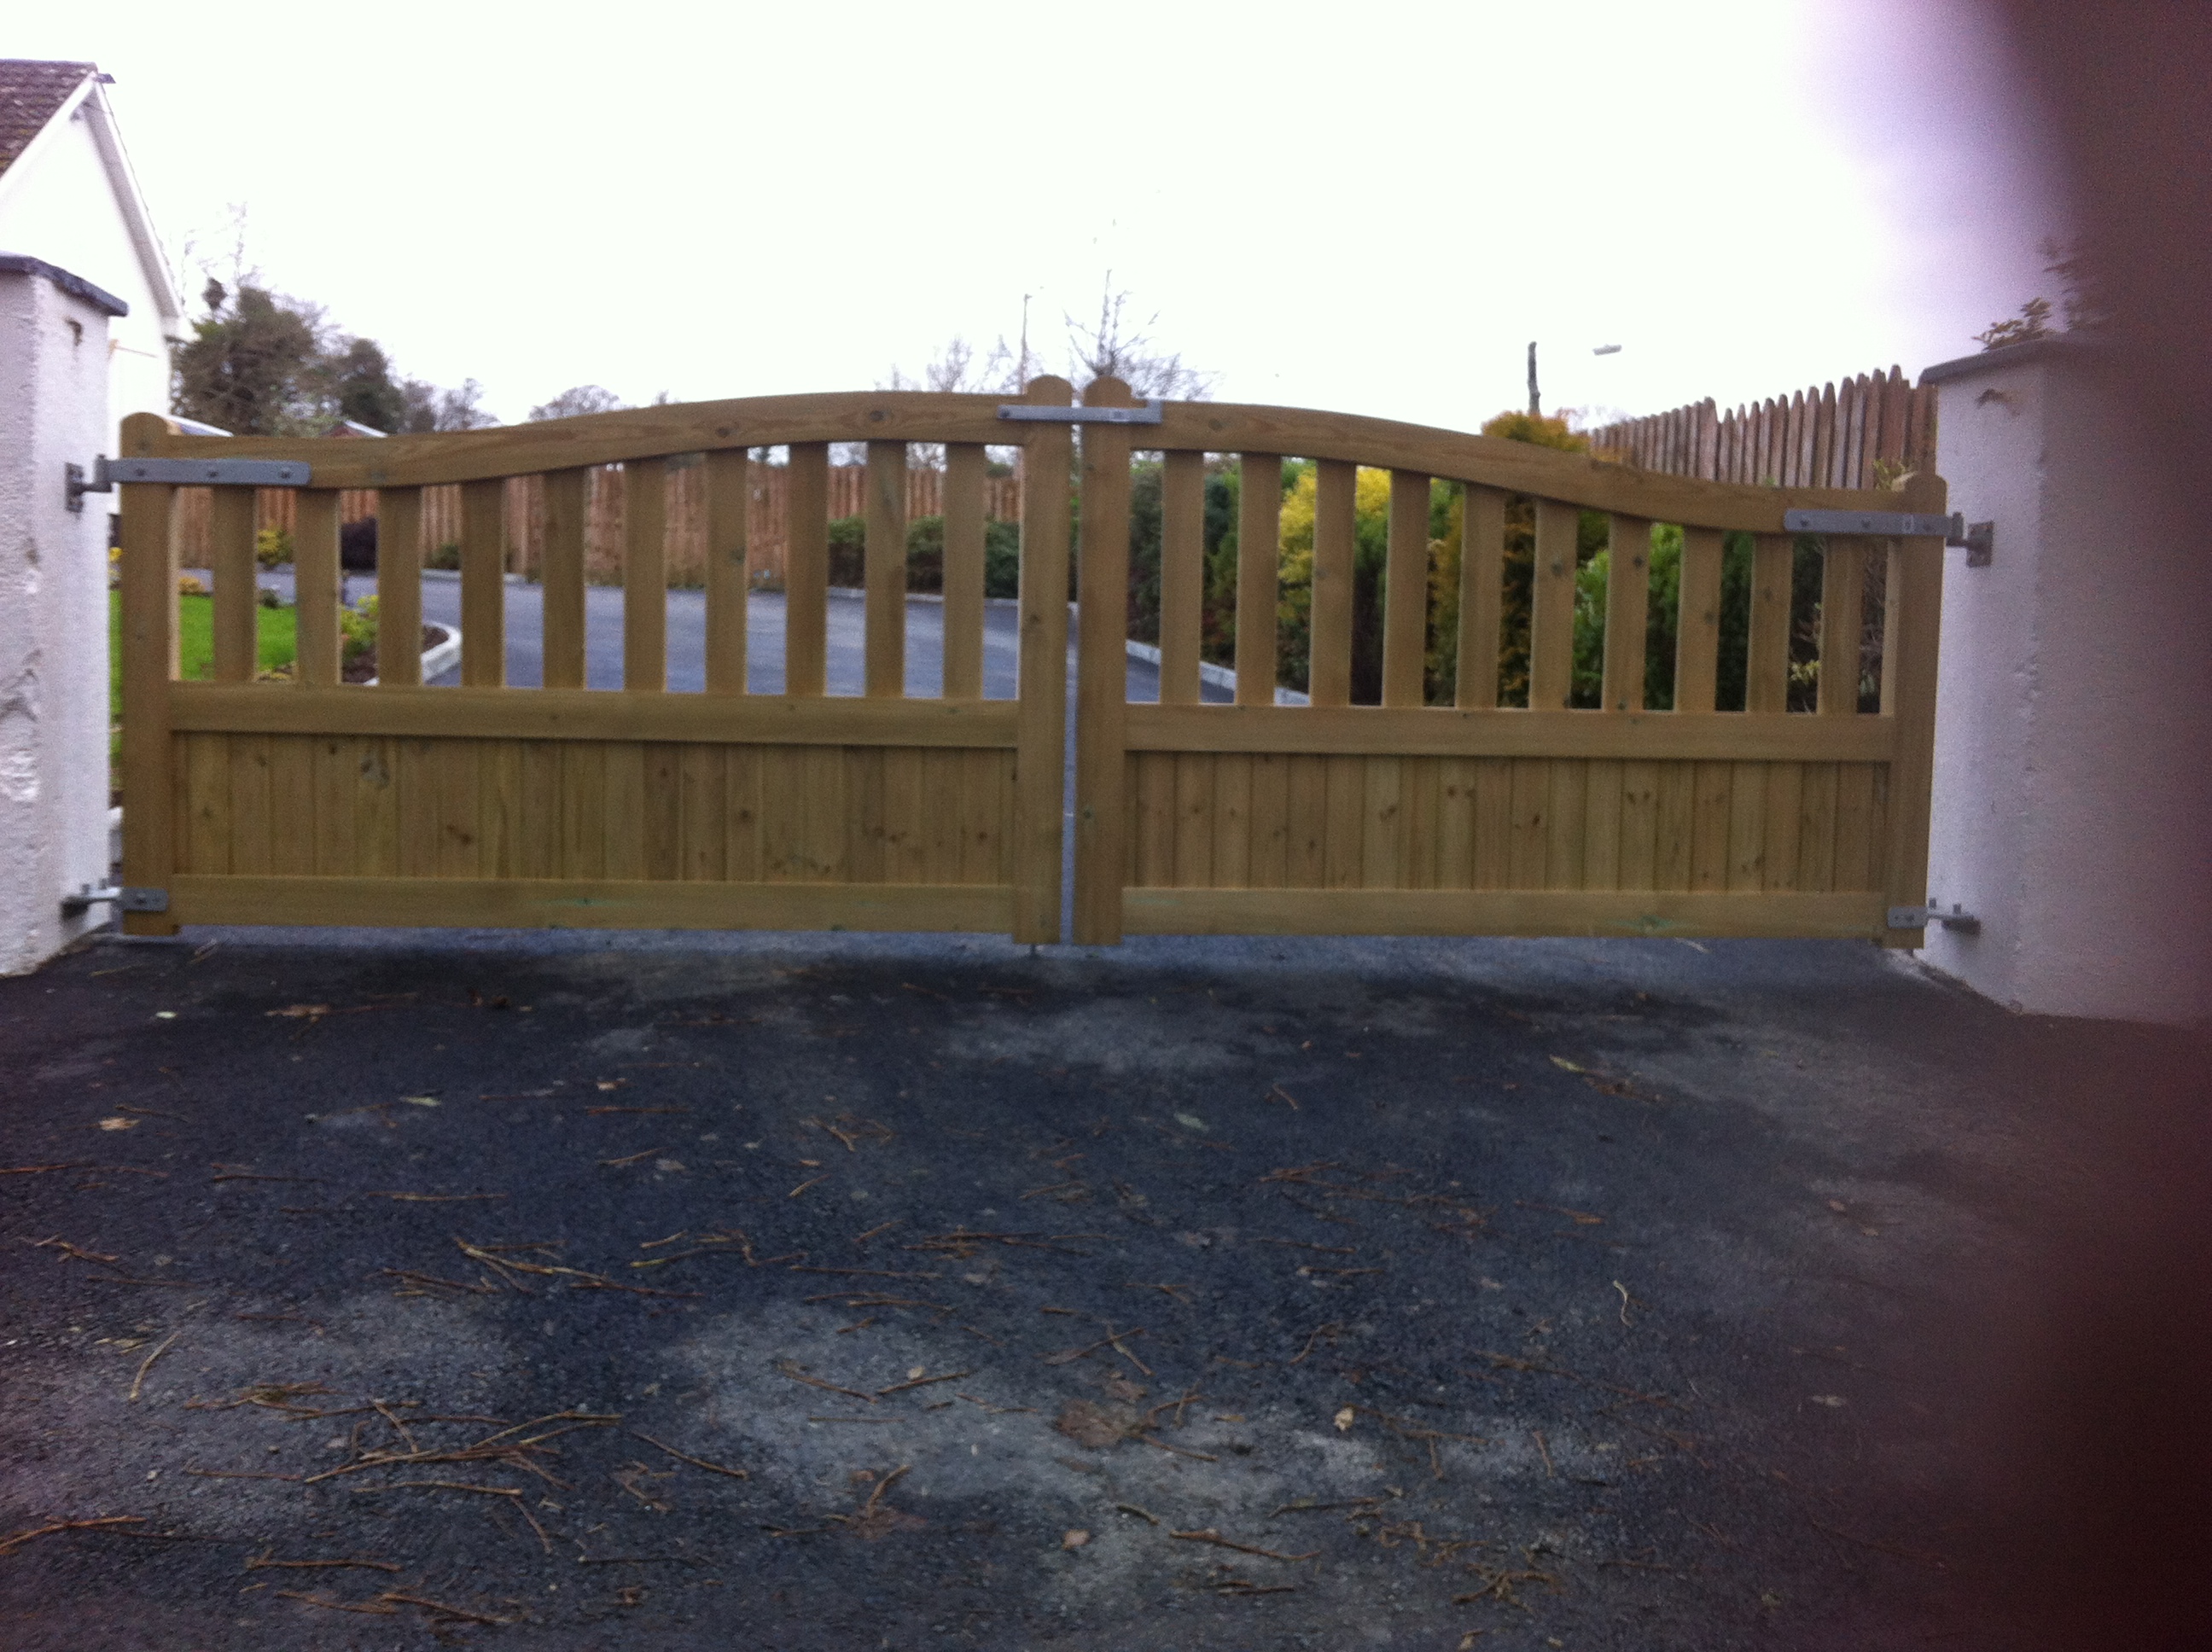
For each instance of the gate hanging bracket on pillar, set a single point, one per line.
(1920, 917)
(1033, 413)
(1979, 538)
(184, 473)
(126, 900)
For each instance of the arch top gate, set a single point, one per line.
(313, 801)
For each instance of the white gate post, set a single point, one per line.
(2073, 796)
(53, 607)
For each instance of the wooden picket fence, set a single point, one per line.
(1864, 433)
(525, 514)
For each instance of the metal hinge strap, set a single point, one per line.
(126, 899)
(1031, 413)
(1979, 538)
(203, 472)
(1920, 917)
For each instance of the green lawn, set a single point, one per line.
(279, 636)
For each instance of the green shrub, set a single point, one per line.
(272, 546)
(447, 556)
(925, 554)
(357, 629)
(1002, 559)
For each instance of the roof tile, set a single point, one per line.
(30, 93)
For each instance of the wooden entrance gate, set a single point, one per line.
(314, 802)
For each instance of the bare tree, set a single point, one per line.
(1115, 347)
(576, 400)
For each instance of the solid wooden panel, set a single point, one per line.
(538, 834)
(1505, 911)
(1455, 822)
(1677, 814)
(149, 652)
(376, 809)
(1232, 822)
(705, 852)
(1306, 822)
(1711, 801)
(964, 472)
(1259, 584)
(399, 591)
(661, 817)
(1405, 592)
(1040, 771)
(939, 829)
(825, 792)
(1446, 732)
(484, 585)
(585, 714)
(1816, 827)
(1697, 624)
(1601, 815)
(624, 810)
(1182, 575)
(292, 792)
(645, 576)
(1527, 824)
(1329, 647)
(252, 805)
(1420, 802)
(1627, 611)
(237, 596)
(503, 805)
(1766, 659)
(1747, 864)
(1193, 821)
(743, 861)
(583, 811)
(1270, 840)
(1915, 601)
(1785, 790)
(562, 575)
(904, 848)
(522, 904)
(894, 415)
(1481, 596)
(1493, 824)
(1383, 824)
(729, 504)
(1855, 845)
(866, 827)
(315, 585)
(1639, 826)
(204, 825)
(986, 813)
(1343, 844)
(1565, 824)
(1842, 602)
(459, 780)
(1152, 838)
(1101, 673)
(1552, 607)
(806, 569)
(884, 575)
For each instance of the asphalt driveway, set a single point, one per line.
(581, 1292)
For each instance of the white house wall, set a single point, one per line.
(56, 203)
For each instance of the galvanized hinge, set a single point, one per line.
(125, 900)
(1920, 917)
(1979, 538)
(183, 473)
(1031, 413)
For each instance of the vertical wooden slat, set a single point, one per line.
(1527, 824)
(1271, 837)
(965, 470)
(537, 836)
(1565, 819)
(1747, 827)
(399, 588)
(1639, 825)
(1843, 601)
(483, 583)
(1182, 575)
(644, 575)
(1766, 660)
(623, 809)
(1329, 650)
(806, 570)
(252, 809)
(705, 810)
(661, 827)
(561, 573)
(1193, 819)
(1406, 594)
(1041, 718)
(1627, 611)
(1915, 602)
(1102, 815)
(1698, 625)
(885, 571)
(203, 826)
(1552, 607)
(1493, 822)
(1481, 596)
(149, 647)
(1823, 439)
(1455, 823)
(1306, 814)
(230, 558)
(503, 806)
(1601, 816)
(1259, 584)
(1383, 824)
(1816, 828)
(1342, 849)
(1785, 792)
(729, 492)
(1676, 812)
(1708, 829)
(1232, 820)
(315, 585)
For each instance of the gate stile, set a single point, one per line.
(1402, 818)
(312, 802)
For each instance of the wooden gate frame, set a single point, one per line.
(487, 804)
(490, 805)
(1476, 818)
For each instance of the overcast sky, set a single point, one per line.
(1371, 208)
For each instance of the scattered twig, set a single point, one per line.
(786, 1369)
(922, 1383)
(1545, 1451)
(1331, 1330)
(1141, 1513)
(695, 1462)
(1277, 1090)
(632, 1158)
(1210, 1535)
(147, 1364)
(17, 1538)
(440, 1608)
(262, 1563)
(373, 1608)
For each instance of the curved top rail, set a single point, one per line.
(1583, 479)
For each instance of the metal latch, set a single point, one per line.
(184, 473)
(1979, 538)
(1031, 413)
(1920, 917)
(125, 900)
